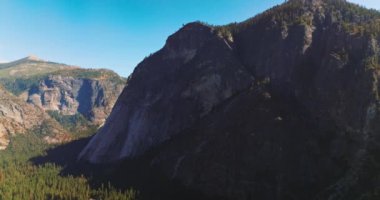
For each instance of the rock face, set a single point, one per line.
(185, 72)
(66, 89)
(19, 117)
(281, 106)
(69, 95)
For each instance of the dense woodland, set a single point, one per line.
(20, 179)
(355, 19)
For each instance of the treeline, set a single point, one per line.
(353, 18)
(23, 181)
(20, 179)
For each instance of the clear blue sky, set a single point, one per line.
(115, 34)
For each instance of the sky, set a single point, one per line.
(113, 34)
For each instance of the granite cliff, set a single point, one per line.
(19, 117)
(284, 105)
(68, 90)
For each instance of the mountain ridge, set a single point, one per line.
(58, 87)
(67, 98)
(284, 105)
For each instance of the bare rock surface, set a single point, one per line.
(68, 90)
(19, 117)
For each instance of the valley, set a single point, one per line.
(20, 178)
(284, 105)
(44, 105)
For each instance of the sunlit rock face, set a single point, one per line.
(68, 90)
(19, 117)
(34, 90)
(93, 98)
(281, 106)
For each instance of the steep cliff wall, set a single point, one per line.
(93, 98)
(65, 89)
(196, 71)
(281, 106)
(19, 117)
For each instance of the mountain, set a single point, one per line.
(284, 105)
(19, 117)
(30, 66)
(63, 90)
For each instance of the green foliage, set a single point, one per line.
(352, 18)
(352, 13)
(70, 122)
(20, 85)
(286, 15)
(355, 19)
(97, 74)
(20, 179)
(371, 62)
(23, 68)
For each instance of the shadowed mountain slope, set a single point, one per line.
(282, 106)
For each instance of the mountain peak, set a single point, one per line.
(32, 58)
(306, 1)
(314, 2)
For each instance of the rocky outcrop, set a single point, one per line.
(281, 106)
(39, 86)
(19, 117)
(93, 98)
(65, 89)
(196, 70)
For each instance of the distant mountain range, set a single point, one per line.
(64, 99)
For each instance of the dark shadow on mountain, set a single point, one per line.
(64, 155)
(84, 98)
(138, 174)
